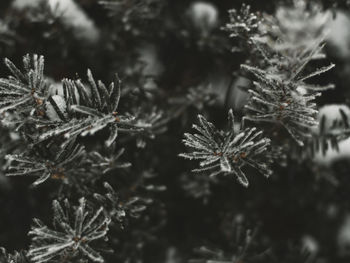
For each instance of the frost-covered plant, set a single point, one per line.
(64, 163)
(294, 37)
(72, 234)
(69, 163)
(288, 102)
(294, 33)
(227, 152)
(244, 25)
(23, 91)
(89, 110)
(81, 110)
(159, 98)
(280, 93)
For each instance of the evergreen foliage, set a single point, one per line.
(143, 195)
(71, 236)
(227, 152)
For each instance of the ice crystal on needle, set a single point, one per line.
(226, 152)
(71, 236)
